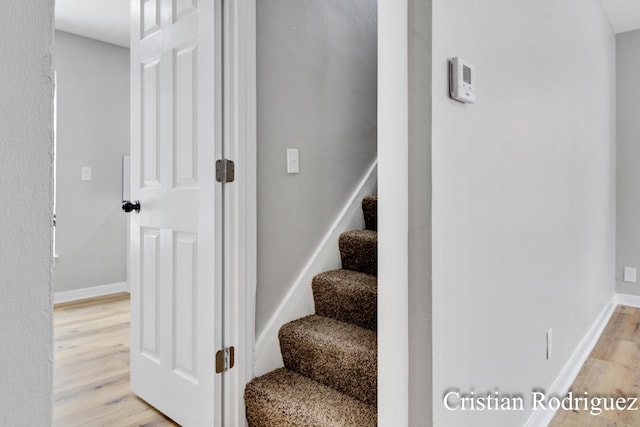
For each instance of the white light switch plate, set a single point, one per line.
(293, 161)
(85, 173)
(630, 274)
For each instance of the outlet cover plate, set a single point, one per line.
(630, 275)
(293, 161)
(85, 173)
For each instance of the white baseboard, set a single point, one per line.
(630, 300)
(298, 302)
(92, 292)
(568, 374)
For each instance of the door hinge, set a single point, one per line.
(225, 171)
(224, 359)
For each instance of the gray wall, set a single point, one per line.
(316, 64)
(628, 156)
(420, 324)
(523, 195)
(26, 137)
(92, 130)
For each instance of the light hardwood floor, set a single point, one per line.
(91, 367)
(612, 369)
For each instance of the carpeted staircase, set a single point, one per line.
(331, 357)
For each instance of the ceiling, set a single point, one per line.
(624, 15)
(104, 20)
(108, 20)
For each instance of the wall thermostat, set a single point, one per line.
(462, 81)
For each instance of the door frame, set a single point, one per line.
(393, 212)
(393, 142)
(240, 203)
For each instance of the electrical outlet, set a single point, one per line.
(549, 343)
(629, 275)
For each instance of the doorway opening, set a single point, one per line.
(173, 151)
(92, 127)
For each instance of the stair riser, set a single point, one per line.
(359, 255)
(283, 398)
(261, 416)
(352, 373)
(370, 211)
(356, 307)
(264, 415)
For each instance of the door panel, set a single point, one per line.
(184, 7)
(175, 258)
(150, 18)
(150, 155)
(184, 142)
(149, 321)
(185, 307)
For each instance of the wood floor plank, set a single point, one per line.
(612, 370)
(91, 367)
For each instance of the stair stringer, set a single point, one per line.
(298, 302)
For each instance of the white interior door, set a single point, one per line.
(175, 257)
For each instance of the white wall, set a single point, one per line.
(628, 155)
(26, 135)
(316, 65)
(92, 130)
(523, 194)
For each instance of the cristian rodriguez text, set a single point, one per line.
(454, 400)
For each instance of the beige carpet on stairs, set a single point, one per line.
(331, 357)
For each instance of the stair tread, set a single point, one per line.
(284, 398)
(333, 353)
(361, 234)
(332, 332)
(348, 296)
(350, 278)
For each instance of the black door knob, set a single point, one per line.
(128, 206)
